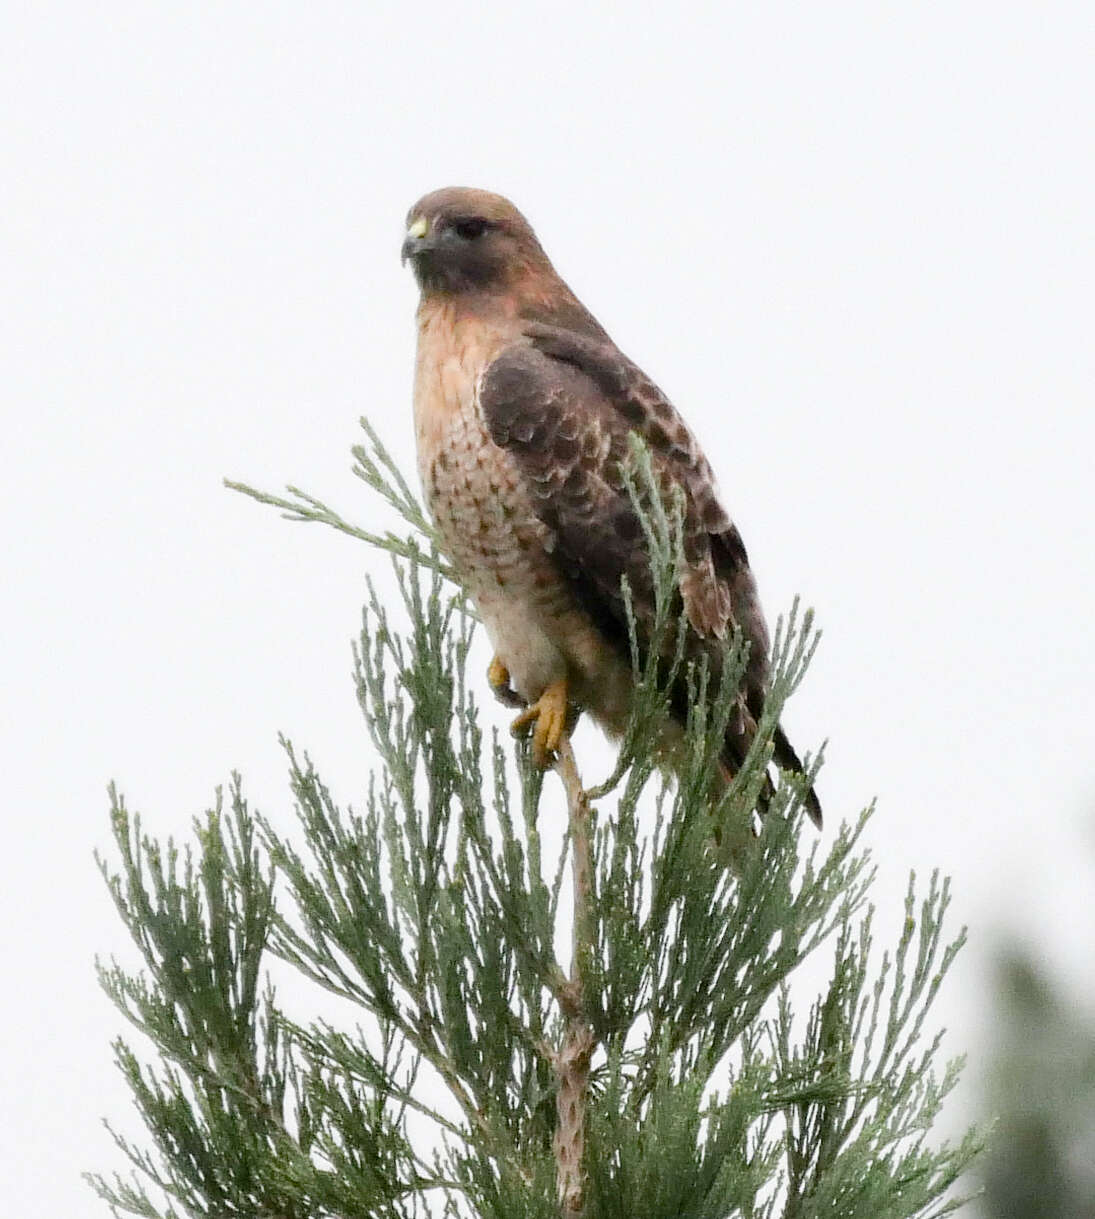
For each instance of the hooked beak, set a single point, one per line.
(416, 239)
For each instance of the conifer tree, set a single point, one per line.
(553, 997)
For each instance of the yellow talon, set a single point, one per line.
(548, 718)
(498, 677)
(497, 674)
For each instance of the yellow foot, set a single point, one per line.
(547, 717)
(498, 676)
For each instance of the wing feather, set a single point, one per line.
(564, 404)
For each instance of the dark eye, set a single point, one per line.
(470, 228)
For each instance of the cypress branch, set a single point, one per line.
(660, 1072)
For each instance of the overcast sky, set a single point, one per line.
(852, 242)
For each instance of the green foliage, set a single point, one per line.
(1042, 1163)
(434, 914)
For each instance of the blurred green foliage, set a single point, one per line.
(1042, 1159)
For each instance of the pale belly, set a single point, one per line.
(502, 551)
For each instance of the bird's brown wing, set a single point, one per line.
(564, 404)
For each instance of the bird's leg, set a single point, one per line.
(498, 676)
(547, 717)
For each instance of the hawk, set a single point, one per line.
(523, 407)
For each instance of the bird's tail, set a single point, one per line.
(737, 743)
(789, 760)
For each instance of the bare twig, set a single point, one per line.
(571, 1060)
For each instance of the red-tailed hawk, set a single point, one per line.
(523, 406)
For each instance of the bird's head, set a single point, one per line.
(463, 240)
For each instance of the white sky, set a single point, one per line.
(852, 242)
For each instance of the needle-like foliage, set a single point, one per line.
(464, 1065)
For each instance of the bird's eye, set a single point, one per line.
(471, 228)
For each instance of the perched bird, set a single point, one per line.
(523, 406)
